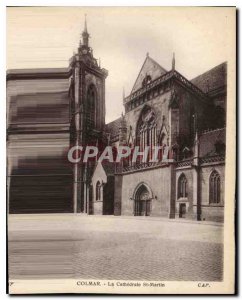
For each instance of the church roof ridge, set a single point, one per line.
(212, 130)
(212, 69)
(164, 77)
(213, 79)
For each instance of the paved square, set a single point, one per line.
(108, 247)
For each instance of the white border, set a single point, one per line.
(3, 5)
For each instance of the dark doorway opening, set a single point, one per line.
(142, 203)
(90, 202)
(182, 210)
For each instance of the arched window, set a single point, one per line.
(91, 106)
(146, 130)
(98, 191)
(214, 187)
(182, 187)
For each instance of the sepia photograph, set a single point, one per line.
(121, 149)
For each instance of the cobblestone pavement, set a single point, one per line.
(103, 247)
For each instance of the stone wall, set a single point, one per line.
(188, 201)
(158, 181)
(212, 212)
(97, 207)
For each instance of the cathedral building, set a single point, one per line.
(51, 110)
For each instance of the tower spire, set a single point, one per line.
(173, 62)
(85, 34)
(85, 25)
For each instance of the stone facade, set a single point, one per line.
(183, 120)
(51, 110)
(155, 180)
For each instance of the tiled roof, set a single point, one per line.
(208, 140)
(113, 128)
(212, 79)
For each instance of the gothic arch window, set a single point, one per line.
(214, 187)
(91, 111)
(146, 135)
(98, 191)
(182, 187)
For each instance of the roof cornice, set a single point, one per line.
(173, 74)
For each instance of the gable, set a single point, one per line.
(150, 68)
(99, 174)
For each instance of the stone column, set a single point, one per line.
(172, 203)
(77, 127)
(118, 194)
(196, 182)
(196, 194)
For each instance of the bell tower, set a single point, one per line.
(88, 113)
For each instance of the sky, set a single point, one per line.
(46, 37)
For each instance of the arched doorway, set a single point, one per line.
(142, 201)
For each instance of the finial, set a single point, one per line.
(85, 34)
(85, 25)
(99, 62)
(173, 61)
(195, 127)
(147, 54)
(123, 93)
(196, 136)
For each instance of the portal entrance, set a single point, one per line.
(142, 202)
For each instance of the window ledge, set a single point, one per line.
(185, 199)
(216, 204)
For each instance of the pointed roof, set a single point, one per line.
(85, 34)
(150, 67)
(108, 167)
(85, 24)
(173, 62)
